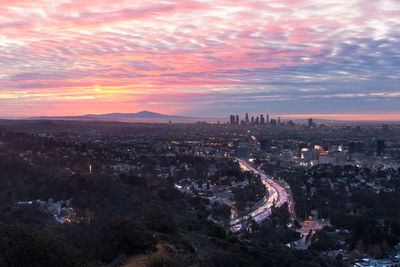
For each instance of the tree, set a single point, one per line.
(105, 239)
(21, 245)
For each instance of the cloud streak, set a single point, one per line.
(199, 57)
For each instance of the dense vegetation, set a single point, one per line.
(126, 218)
(372, 219)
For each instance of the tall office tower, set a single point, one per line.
(380, 147)
(267, 118)
(273, 122)
(247, 118)
(257, 120)
(252, 120)
(279, 120)
(237, 119)
(310, 122)
(262, 120)
(232, 120)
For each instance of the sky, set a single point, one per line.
(336, 59)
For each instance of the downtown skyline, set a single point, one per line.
(295, 58)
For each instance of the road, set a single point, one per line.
(276, 195)
(309, 226)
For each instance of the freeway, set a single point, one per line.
(276, 195)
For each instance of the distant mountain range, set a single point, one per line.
(138, 115)
(142, 115)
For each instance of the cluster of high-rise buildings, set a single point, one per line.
(234, 119)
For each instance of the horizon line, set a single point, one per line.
(388, 117)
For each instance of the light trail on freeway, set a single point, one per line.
(276, 195)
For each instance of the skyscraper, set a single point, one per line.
(380, 147)
(279, 120)
(310, 122)
(267, 118)
(247, 118)
(232, 120)
(262, 120)
(237, 119)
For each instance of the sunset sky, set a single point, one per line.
(327, 58)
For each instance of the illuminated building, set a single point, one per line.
(306, 154)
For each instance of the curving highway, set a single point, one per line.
(276, 194)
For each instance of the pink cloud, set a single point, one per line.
(65, 48)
